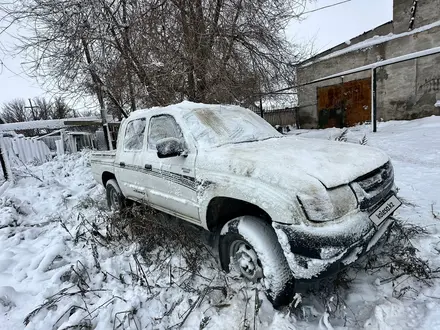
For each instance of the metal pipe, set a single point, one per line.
(394, 60)
(374, 100)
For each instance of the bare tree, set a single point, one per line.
(61, 110)
(44, 108)
(15, 111)
(133, 53)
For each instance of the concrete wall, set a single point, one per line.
(428, 11)
(405, 91)
(381, 30)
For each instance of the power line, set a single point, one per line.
(325, 7)
(3, 65)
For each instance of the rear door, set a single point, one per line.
(172, 186)
(129, 164)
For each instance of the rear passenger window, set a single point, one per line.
(134, 135)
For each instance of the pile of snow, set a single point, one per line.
(55, 274)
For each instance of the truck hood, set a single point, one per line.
(283, 160)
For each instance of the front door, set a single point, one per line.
(172, 186)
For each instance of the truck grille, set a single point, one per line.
(373, 187)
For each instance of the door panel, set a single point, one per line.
(172, 185)
(129, 165)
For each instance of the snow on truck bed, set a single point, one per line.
(37, 255)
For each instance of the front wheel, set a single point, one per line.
(249, 245)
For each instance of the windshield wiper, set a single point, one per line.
(249, 141)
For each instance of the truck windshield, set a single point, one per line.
(225, 125)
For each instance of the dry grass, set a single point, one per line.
(157, 238)
(394, 260)
(154, 230)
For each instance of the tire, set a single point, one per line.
(115, 199)
(245, 238)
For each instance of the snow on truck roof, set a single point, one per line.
(215, 124)
(183, 108)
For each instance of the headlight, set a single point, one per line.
(327, 205)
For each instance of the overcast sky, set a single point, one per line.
(327, 28)
(331, 26)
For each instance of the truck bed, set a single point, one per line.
(102, 161)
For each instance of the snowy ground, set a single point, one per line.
(58, 269)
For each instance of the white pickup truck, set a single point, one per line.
(285, 207)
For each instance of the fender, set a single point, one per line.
(278, 204)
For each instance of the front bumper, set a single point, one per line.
(319, 251)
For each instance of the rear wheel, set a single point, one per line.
(250, 246)
(115, 199)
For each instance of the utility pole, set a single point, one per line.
(99, 88)
(34, 116)
(31, 106)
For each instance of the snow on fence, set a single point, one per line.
(20, 150)
(50, 124)
(25, 150)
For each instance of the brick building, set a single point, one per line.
(405, 90)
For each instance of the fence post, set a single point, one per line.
(261, 108)
(298, 125)
(4, 160)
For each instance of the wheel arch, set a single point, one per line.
(106, 175)
(221, 209)
(256, 198)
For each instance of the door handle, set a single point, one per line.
(148, 167)
(122, 164)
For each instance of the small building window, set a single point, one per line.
(134, 135)
(162, 127)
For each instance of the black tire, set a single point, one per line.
(115, 199)
(254, 234)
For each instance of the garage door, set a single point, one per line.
(346, 104)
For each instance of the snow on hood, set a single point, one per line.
(292, 159)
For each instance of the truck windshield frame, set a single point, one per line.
(213, 128)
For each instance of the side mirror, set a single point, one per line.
(169, 147)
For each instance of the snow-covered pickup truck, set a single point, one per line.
(285, 207)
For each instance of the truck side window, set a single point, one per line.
(161, 127)
(134, 134)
